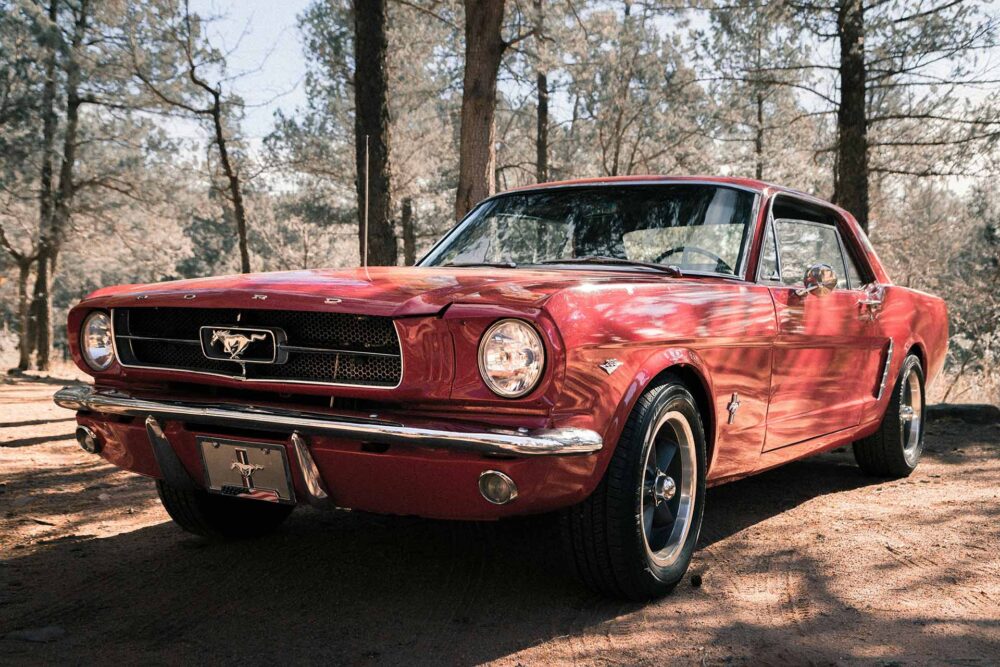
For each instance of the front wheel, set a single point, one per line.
(635, 535)
(894, 449)
(220, 517)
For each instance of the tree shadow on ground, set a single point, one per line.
(36, 422)
(29, 379)
(343, 587)
(36, 440)
(733, 507)
(347, 587)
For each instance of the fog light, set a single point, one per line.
(497, 487)
(88, 439)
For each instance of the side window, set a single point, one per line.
(802, 244)
(769, 256)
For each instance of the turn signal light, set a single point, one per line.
(88, 439)
(497, 487)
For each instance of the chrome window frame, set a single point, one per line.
(862, 265)
(811, 223)
(846, 256)
(769, 229)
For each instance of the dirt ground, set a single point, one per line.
(808, 564)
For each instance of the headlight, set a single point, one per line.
(511, 358)
(95, 341)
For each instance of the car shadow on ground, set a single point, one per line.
(347, 587)
(733, 507)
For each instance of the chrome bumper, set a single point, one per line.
(522, 442)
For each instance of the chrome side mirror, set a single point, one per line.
(820, 279)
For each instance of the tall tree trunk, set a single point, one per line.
(24, 261)
(409, 234)
(484, 47)
(758, 86)
(23, 313)
(542, 89)
(66, 192)
(40, 324)
(371, 133)
(232, 180)
(39, 330)
(542, 137)
(215, 111)
(852, 121)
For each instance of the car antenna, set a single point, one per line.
(364, 244)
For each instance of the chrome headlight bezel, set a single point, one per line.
(98, 357)
(537, 343)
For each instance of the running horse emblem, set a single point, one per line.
(234, 344)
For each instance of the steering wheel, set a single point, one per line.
(720, 264)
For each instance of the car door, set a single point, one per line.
(827, 348)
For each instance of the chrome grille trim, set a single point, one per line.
(264, 380)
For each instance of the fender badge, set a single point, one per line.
(610, 366)
(734, 405)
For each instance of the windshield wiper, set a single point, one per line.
(615, 261)
(466, 265)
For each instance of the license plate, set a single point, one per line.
(252, 470)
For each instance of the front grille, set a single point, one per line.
(335, 348)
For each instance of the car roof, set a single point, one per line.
(747, 183)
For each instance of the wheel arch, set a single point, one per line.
(688, 367)
(697, 384)
(917, 348)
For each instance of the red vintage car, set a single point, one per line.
(603, 350)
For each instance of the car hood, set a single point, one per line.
(390, 291)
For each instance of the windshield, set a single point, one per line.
(697, 228)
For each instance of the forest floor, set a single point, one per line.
(808, 564)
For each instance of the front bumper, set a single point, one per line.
(557, 441)
(425, 467)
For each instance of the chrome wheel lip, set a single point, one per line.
(685, 487)
(911, 407)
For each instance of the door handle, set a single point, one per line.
(871, 305)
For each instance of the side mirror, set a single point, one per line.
(820, 279)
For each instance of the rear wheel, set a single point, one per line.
(221, 517)
(634, 536)
(895, 448)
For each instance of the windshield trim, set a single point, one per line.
(626, 183)
(742, 262)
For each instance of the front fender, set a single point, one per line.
(602, 401)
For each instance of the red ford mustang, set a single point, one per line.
(602, 349)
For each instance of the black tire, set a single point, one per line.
(219, 517)
(604, 536)
(894, 449)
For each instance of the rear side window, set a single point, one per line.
(802, 244)
(769, 257)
